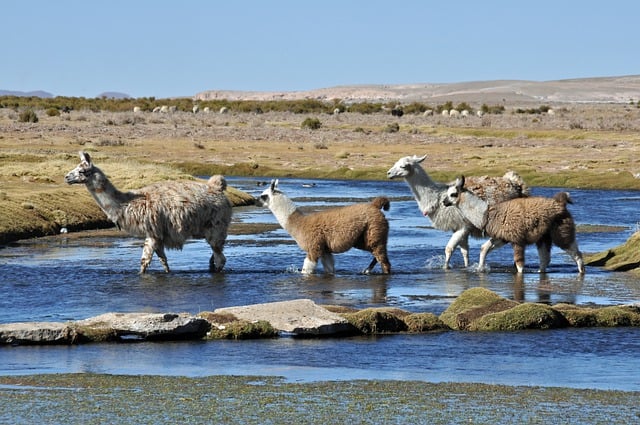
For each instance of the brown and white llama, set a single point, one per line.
(334, 230)
(429, 195)
(521, 222)
(166, 214)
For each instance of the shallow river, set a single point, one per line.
(63, 278)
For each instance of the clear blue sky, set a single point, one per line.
(169, 48)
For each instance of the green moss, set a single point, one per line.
(520, 317)
(242, 329)
(424, 322)
(471, 305)
(625, 257)
(618, 316)
(373, 321)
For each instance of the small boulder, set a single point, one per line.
(300, 317)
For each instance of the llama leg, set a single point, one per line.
(575, 253)
(147, 254)
(370, 267)
(163, 257)
(464, 250)
(544, 253)
(308, 266)
(217, 260)
(487, 247)
(150, 246)
(518, 257)
(379, 256)
(456, 238)
(328, 263)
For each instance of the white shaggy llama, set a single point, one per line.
(521, 222)
(429, 195)
(335, 230)
(166, 214)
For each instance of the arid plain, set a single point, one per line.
(579, 145)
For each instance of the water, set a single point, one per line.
(63, 278)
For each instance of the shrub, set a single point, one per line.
(28, 116)
(311, 123)
(392, 128)
(53, 112)
(365, 108)
(494, 109)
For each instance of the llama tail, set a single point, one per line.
(382, 202)
(563, 197)
(217, 183)
(517, 181)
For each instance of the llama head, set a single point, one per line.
(405, 166)
(452, 196)
(81, 173)
(266, 199)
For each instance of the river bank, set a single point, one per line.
(90, 398)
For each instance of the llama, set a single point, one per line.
(521, 222)
(166, 214)
(335, 230)
(428, 195)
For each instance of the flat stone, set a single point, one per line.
(36, 333)
(300, 317)
(147, 326)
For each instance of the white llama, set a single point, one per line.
(166, 214)
(521, 222)
(335, 230)
(429, 194)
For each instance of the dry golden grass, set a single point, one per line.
(595, 146)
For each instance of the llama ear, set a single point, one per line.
(84, 157)
(419, 159)
(460, 182)
(274, 184)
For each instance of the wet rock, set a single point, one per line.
(36, 333)
(300, 317)
(107, 327)
(142, 326)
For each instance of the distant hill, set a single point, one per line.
(37, 93)
(44, 94)
(582, 90)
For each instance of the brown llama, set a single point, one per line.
(335, 230)
(521, 222)
(429, 193)
(166, 214)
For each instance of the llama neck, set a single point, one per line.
(108, 198)
(285, 212)
(426, 191)
(473, 209)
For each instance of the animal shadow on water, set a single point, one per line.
(166, 214)
(334, 230)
